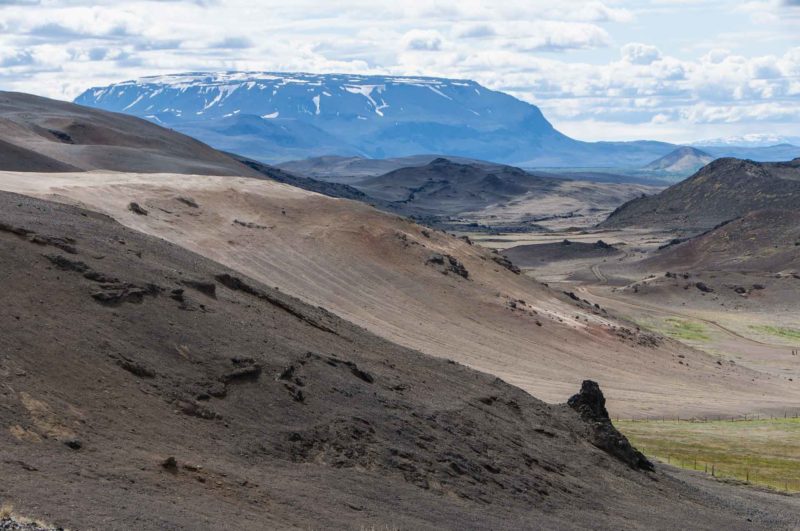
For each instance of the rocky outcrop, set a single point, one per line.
(448, 264)
(591, 405)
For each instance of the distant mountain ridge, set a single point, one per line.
(276, 117)
(683, 160)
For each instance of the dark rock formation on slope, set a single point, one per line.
(591, 404)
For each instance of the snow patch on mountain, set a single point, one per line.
(273, 116)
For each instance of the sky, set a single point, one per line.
(672, 70)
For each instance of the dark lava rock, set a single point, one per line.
(591, 404)
(61, 136)
(249, 224)
(450, 264)
(243, 373)
(65, 264)
(188, 201)
(136, 368)
(65, 244)
(193, 409)
(137, 209)
(96, 276)
(73, 444)
(116, 294)
(237, 284)
(206, 288)
(170, 463)
(705, 288)
(505, 262)
(572, 296)
(10, 524)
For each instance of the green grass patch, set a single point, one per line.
(765, 452)
(681, 329)
(778, 331)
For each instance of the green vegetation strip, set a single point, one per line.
(786, 333)
(763, 452)
(680, 329)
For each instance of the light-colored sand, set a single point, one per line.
(369, 268)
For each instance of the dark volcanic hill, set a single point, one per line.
(724, 190)
(767, 241)
(147, 387)
(444, 187)
(39, 134)
(354, 169)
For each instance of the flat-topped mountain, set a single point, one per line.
(40, 134)
(273, 117)
(724, 190)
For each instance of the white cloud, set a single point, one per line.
(423, 40)
(560, 36)
(640, 54)
(561, 56)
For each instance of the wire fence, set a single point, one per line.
(714, 418)
(739, 468)
(740, 473)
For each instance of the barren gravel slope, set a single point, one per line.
(374, 270)
(120, 350)
(40, 134)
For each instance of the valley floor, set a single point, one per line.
(757, 328)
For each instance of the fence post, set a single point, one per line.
(713, 470)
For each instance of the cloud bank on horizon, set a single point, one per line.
(676, 70)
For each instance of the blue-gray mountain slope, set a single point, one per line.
(277, 116)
